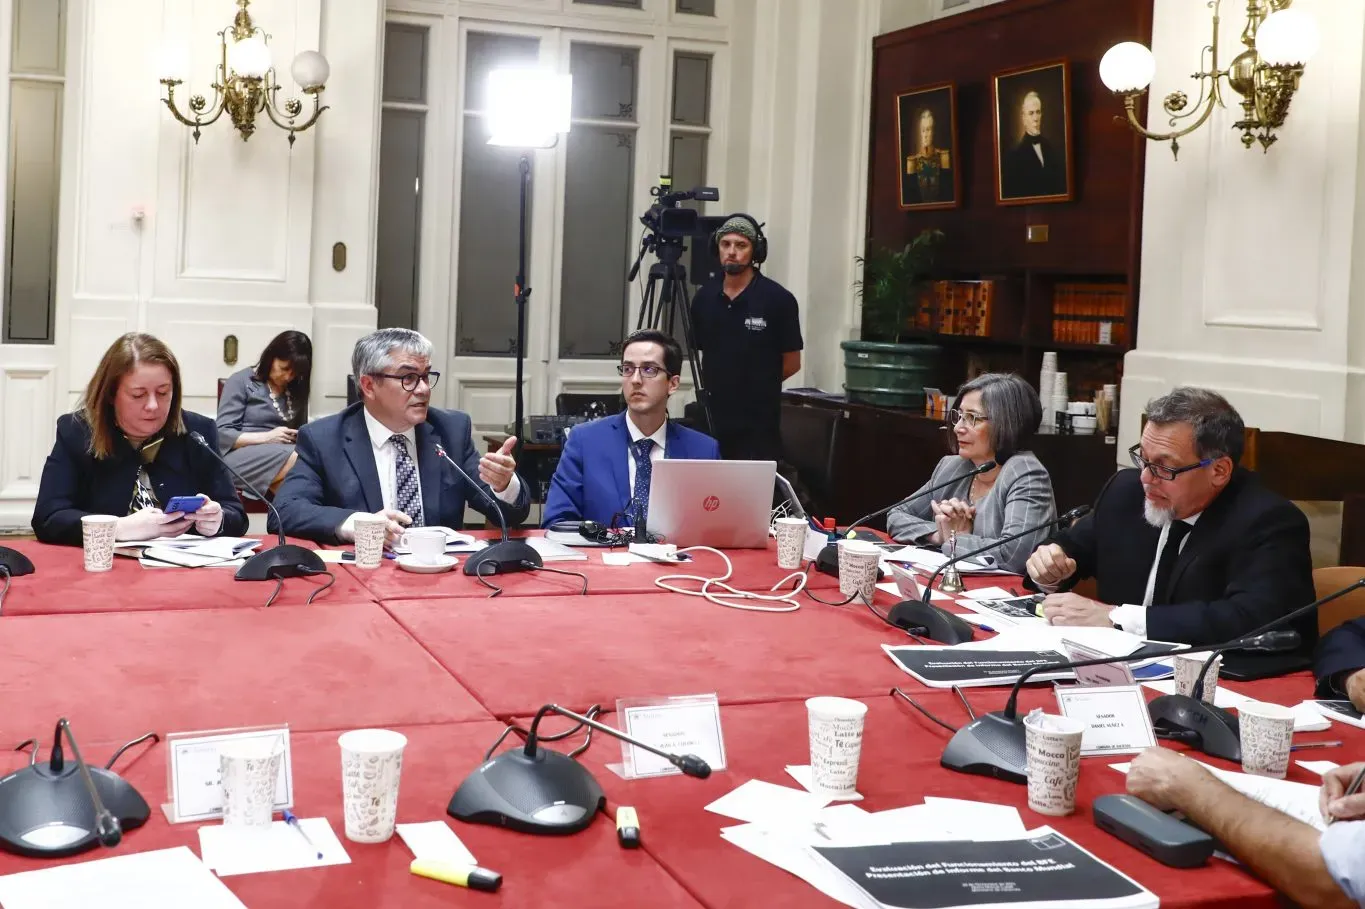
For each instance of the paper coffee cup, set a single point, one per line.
(858, 569)
(97, 541)
(791, 541)
(836, 743)
(1187, 669)
(1054, 762)
(371, 763)
(427, 544)
(1267, 731)
(250, 769)
(369, 540)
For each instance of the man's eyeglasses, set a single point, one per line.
(649, 370)
(1160, 472)
(970, 417)
(410, 380)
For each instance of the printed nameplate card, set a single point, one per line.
(677, 725)
(1115, 717)
(195, 775)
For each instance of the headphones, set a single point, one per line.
(760, 244)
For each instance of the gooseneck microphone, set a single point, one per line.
(505, 556)
(994, 744)
(828, 561)
(538, 790)
(107, 827)
(1074, 514)
(283, 560)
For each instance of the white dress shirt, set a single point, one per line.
(386, 463)
(655, 454)
(1131, 617)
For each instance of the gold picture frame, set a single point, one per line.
(1033, 148)
(926, 148)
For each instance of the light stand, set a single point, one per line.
(523, 294)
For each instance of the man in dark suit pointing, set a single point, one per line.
(1034, 167)
(1189, 547)
(378, 456)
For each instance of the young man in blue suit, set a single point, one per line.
(379, 456)
(607, 464)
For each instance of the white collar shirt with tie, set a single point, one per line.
(656, 454)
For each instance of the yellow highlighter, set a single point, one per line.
(471, 876)
(628, 827)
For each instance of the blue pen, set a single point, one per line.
(293, 821)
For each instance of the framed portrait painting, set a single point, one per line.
(926, 148)
(1033, 135)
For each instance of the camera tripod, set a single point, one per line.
(666, 306)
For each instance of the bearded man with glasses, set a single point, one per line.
(1187, 547)
(607, 464)
(378, 456)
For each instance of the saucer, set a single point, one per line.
(410, 563)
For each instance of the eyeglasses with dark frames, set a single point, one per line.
(410, 380)
(649, 370)
(1162, 472)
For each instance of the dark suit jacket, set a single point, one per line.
(591, 482)
(1025, 175)
(1341, 650)
(335, 475)
(75, 483)
(1245, 563)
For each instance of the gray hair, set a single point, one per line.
(374, 353)
(1218, 427)
(1011, 407)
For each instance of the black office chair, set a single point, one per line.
(570, 404)
(352, 391)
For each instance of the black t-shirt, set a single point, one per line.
(742, 342)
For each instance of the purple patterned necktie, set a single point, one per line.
(405, 492)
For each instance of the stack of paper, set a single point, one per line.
(929, 560)
(873, 860)
(164, 879)
(193, 551)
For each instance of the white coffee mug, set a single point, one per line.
(427, 544)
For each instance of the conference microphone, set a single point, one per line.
(537, 790)
(283, 560)
(505, 556)
(828, 562)
(107, 828)
(13, 564)
(994, 744)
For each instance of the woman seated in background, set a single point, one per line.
(262, 408)
(993, 418)
(127, 451)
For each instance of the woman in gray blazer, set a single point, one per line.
(261, 409)
(992, 418)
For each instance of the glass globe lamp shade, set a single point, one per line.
(1127, 67)
(1289, 37)
(249, 57)
(310, 69)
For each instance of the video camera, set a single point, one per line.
(666, 219)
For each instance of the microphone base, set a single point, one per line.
(502, 558)
(828, 560)
(15, 562)
(991, 745)
(938, 624)
(549, 794)
(49, 815)
(1212, 729)
(283, 561)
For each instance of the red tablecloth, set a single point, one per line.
(588, 869)
(517, 654)
(117, 675)
(754, 569)
(60, 584)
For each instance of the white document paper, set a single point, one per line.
(551, 551)
(988, 593)
(1223, 697)
(803, 774)
(622, 558)
(196, 775)
(163, 879)
(1340, 711)
(980, 821)
(689, 727)
(891, 588)
(1318, 767)
(778, 848)
(1116, 718)
(435, 840)
(929, 560)
(1298, 800)
(758, 802)
(279, 847)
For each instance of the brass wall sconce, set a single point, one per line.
(245, 85)
(1279, 42)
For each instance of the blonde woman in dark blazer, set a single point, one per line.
(992, 419)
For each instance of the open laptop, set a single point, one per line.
(723, 504)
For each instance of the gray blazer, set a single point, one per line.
(1021, 497)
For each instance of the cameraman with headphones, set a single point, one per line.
(748, 330)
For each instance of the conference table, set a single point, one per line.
(436, 658)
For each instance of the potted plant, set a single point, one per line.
(886, 367)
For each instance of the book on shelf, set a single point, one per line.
(1090, 314)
